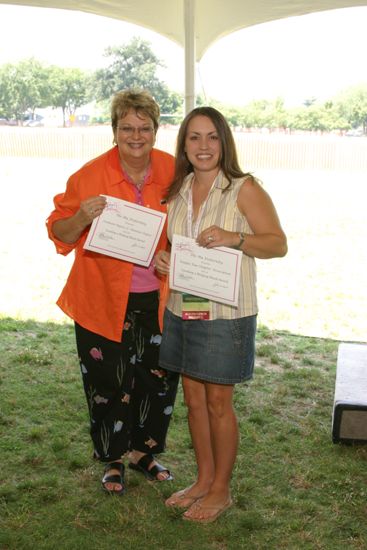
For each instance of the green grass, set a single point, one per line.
(292, 487)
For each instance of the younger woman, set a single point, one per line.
(213, 201)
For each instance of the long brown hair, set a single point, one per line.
(228, 159)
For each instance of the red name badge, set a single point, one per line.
(195, 308)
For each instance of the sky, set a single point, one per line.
(298, 58)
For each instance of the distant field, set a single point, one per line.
(319, 289)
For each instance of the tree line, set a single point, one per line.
(30, 84)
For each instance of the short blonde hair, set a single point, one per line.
(137, 100)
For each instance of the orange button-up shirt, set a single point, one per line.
(97, 289)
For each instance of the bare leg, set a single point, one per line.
(195, 399)
(224, 443)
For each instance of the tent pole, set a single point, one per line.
(189, 19)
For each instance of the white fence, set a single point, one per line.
(256, 150)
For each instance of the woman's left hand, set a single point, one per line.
(215, 236)
(162, 262)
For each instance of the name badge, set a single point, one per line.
(195, 308)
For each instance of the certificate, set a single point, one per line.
(212, 273)
(127, 231)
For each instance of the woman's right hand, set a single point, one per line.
(90, 208)
(68, 230)
(162, 262)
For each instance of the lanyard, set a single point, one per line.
(193, 227)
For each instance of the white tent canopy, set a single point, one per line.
(194, 24)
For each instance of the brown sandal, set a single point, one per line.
(217, 511)
(176, 500)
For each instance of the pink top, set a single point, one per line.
(143, 278)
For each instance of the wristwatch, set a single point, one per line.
(242, 237)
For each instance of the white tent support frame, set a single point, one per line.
(190, 57)
(194, 24)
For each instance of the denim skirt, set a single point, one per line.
(221, 351)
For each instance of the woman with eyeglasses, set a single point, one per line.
(115, 303)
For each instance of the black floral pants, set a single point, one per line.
(130, 398)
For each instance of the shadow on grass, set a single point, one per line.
(292, 487)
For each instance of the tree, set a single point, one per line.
(352, 104)
(279, 114)
(135, 65)
(305, 118)
(332, 119)
(171, 106)
(132, 65)
(23, 88)
(69, 89)
(257, 114)
(309, 101)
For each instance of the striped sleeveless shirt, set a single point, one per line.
(221, 210)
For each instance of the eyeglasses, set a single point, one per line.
(130, 130)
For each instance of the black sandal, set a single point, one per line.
(151, 474)
(115, 478)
